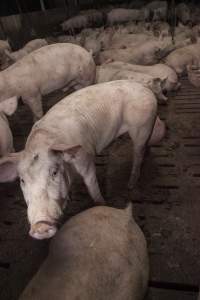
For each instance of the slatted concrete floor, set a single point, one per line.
(166, 203)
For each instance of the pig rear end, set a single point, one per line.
(100, 254)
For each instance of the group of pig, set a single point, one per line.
(118, 80)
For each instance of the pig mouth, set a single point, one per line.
(43, 230)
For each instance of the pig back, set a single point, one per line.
(56, 66)
(99, 254)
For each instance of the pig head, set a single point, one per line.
(44, 179)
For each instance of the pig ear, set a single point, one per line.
(8, 167)
(69, 152)
(9, 106)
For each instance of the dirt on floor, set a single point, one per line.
(166, 200)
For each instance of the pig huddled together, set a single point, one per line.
(117, 81)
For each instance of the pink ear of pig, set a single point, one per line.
(8, 167)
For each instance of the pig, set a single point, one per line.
(167, 75)
(183, 13)
(6, 139)
(100, 253)
(121, 15)
(28, 48)
(121, 41)
(147, 53)
(89, 120)
(104, 74)
(193, 72)
(45, 70)
(179, 59)
(75, 23)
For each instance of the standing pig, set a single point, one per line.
(104, 74)
(121, 15)
(166, 74)
(44, 70)
(100, 254)
(6, 139)
(28, 48)
(89, 120)
(77, 22)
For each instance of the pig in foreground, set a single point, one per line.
(89, 120)
(104, 74)
(6, 138)
(44, 70)
(166, 74)
(28, 48)
(99, 254)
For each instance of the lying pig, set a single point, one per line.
(100, 253)
(89, 120)
(147, 53)
(166, 74)
(45, 70)
(104, 74)
(183, 57)
(121, 41)
(6, 138)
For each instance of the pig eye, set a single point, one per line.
(54, 172)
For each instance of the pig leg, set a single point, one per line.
(84, 165)
(35, 105)
(139, 138)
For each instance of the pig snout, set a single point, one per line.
(43, 230)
